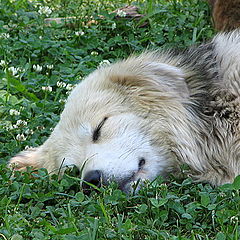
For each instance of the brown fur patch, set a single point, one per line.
(226, 14)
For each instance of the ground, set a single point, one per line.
(40, 62)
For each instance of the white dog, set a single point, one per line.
(145, 116)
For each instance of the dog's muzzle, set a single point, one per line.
(95, 179)
(91, 179)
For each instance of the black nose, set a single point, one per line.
(92, 177)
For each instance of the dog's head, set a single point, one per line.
(118, 123)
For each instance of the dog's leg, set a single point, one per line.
(28, 158)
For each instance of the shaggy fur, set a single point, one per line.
(146, 115)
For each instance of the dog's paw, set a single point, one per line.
(24, 159)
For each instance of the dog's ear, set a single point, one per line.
(24, 159)
(151, 77)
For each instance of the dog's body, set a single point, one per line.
(147, 115)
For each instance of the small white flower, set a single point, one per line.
(21, 137)
(14, 112)
(47, 88)
(222, 194)
(79, 33)
(29, 132)
(79, 77)
(164, 185)
(114, 25)
(14, 71)
(37, 68)
(40, 128)
(3, 63)
(121, 13)
(21, 123)
(49, 66)
(70, 87)
(40, 37)
(62, 101)
(94, 53)
(10, 127)
(104, 63)
(14, 126)
(61, 84)
(234, 219)
(45, 10)
(4, 35)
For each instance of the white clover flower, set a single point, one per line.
(14, 112)
(121, 13)
(47, 88)
(234, 219)
(29, 132)
(21, 137)
(104, 63)
(4, 35)
(70, 87)
(21, 123)
(221, 194)
(62, 101)
(3, 63)
(94, 53)
(40, 128)
(14, 126)
(164, 185)
(14, 71)
(79, 33)
(37, 68)
(45, 10)
(40, 37)
(61, 84)
(9, 127)
(114, 25)
(49, 66)
(79, 77)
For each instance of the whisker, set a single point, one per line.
(85, 162)
(59, 170)
(129, 151)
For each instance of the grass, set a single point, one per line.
(39, 65)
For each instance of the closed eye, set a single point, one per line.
(141, 163)
(97, 130)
